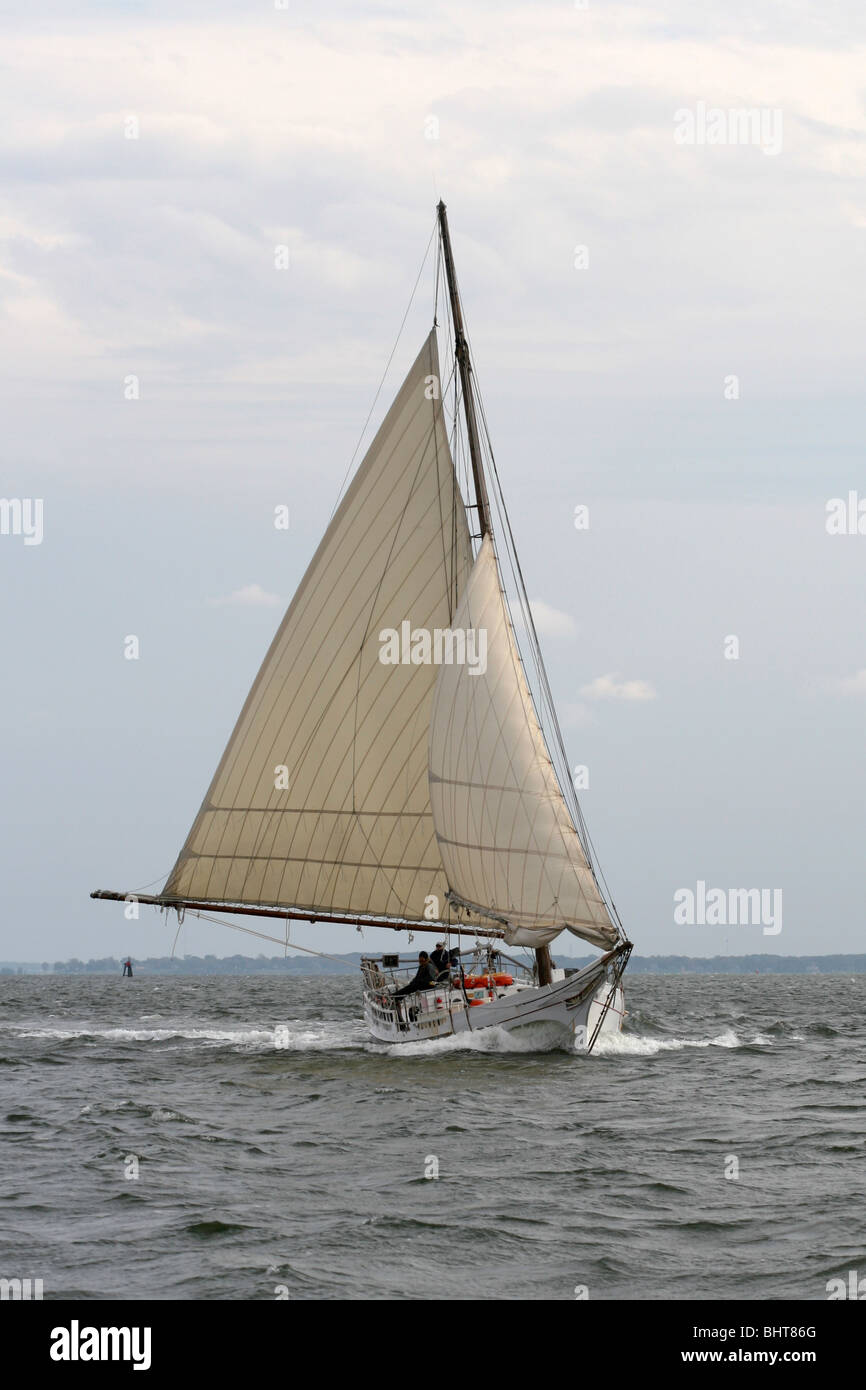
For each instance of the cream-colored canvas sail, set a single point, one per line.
(347, 825)
(506, 837)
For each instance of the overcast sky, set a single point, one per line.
(667, 332)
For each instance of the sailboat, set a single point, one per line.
(398, 763)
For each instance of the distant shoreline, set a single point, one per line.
(348, 963)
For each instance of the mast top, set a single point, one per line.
(461, 350)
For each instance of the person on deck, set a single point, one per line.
(454, 964)
(439, 958)
(425, 977)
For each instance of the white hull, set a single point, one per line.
(575, 1004)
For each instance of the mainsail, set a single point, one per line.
(505, 834)
(321, 799)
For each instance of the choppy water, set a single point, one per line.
(304, 1166)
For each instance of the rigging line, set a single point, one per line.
(387, 368)
(538, 663)
(436, 287)
(550, 708)
(520, 586)
(280, 941)
(144, 886)
(521, 593)
(545, 694)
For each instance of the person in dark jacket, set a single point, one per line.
(425, 977)
(439, 958)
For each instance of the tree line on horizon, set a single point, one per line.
(311, 965)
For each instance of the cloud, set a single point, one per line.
(250, 596)
(609, 688)
(177, 275)
(853, 685)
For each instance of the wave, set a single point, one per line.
(635, 1045)
(205, 1230)
(539, 1037)
(551, 1038)
(282, 1037)
(352, 1035)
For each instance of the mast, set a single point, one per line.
(461, 349)
(543, 962)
